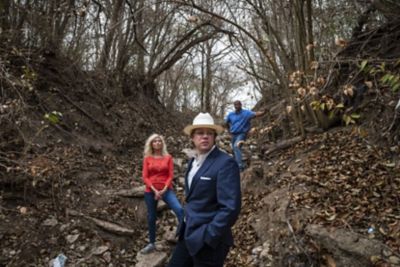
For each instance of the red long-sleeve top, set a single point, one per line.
(158, 172)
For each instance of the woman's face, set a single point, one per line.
(157, 144)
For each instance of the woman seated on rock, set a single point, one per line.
(158, 172)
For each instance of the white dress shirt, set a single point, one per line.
(196, 165)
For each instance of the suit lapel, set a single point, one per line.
(207, 163)
(186, 176)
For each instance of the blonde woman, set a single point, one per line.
(158, 172)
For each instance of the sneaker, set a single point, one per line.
(240, 143)
(148, 249)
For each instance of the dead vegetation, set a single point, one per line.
(71, 143)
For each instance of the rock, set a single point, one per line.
(189, 152)
(273, 211)
(181, 181)
(394, 260)
(256, 250)
(72, 238)
(162, 246)
(179, 162)
(266, 255)
(350, 248)
(253, 177)
(63, 227)
(387, 253)
(99, 250)
(161, 205)
(50, 222)
(170, 234)
(107, 256)
(154, 259)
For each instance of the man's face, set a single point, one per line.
(237, 105)
(203, 139)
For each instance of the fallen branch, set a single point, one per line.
(111, 227)
(108, 226)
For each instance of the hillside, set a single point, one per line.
(66, 138)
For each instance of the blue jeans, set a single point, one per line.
(237, 152)
(169, 197)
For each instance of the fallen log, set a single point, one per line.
(136, 192)
(282, 145)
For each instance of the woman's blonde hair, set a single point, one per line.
(148, 148)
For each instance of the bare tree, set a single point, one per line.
(110, 34)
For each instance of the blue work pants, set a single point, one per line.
(237, 152)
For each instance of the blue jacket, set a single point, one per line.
(213, 202)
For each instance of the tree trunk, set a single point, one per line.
(4, 13)
(203, 78)
(300, 33)
(60, 25)
(310, 35)
(103, 61)
(208, 78)
(140, 67)
(123, 49)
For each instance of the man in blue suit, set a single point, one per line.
(213, 200)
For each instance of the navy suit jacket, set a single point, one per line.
(213, 202)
